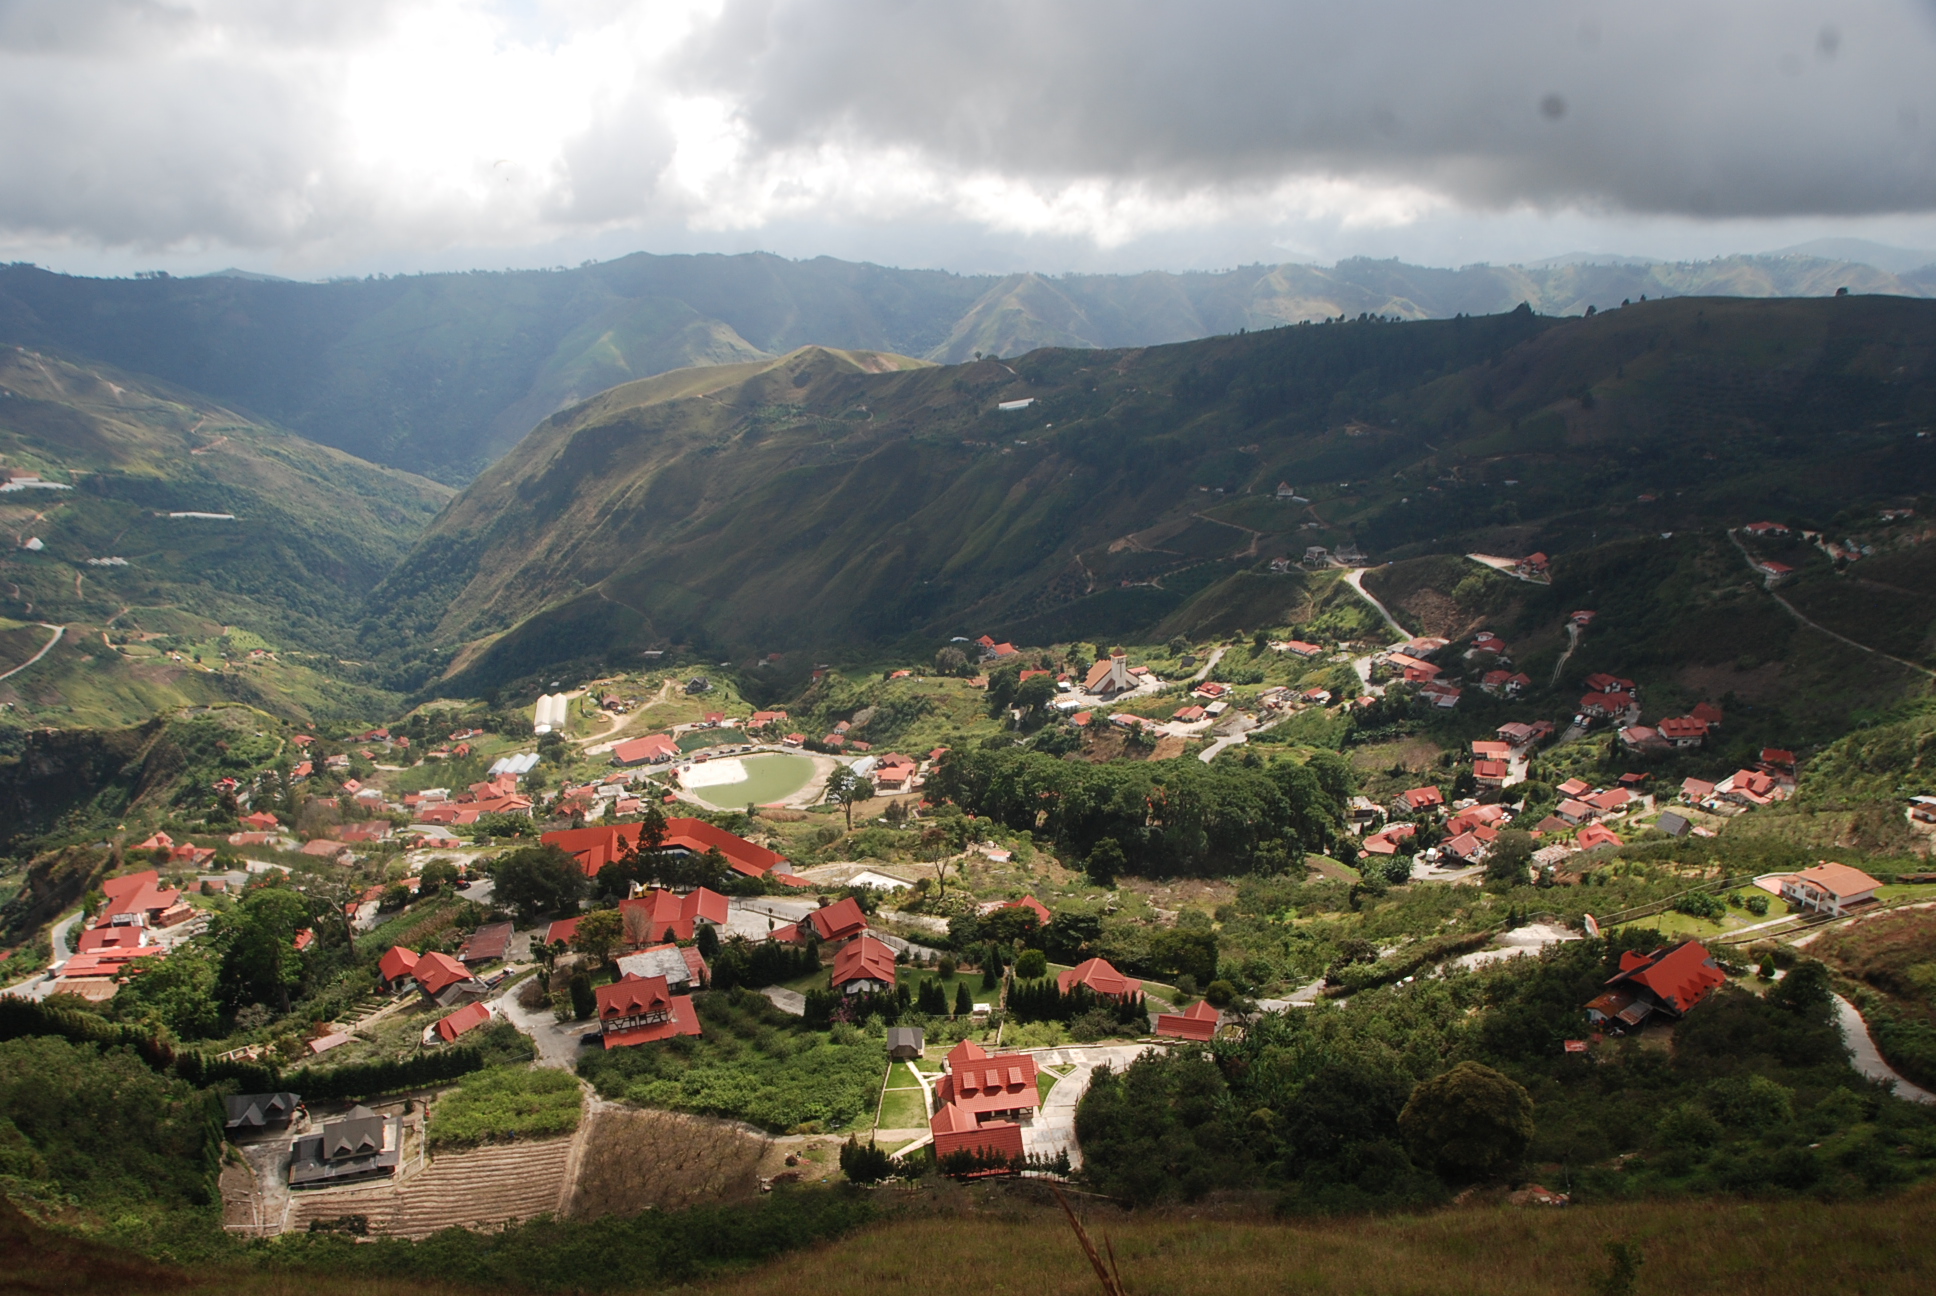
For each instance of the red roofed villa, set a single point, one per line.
(641, 1010)
(864, 966)
(1101, 978)
(1198, 1022)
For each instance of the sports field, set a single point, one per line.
(752, 780)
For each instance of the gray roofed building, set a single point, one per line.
(905, 1042)
(1674, 825)
(245, 1112)
(361, 1145)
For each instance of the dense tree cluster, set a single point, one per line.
(1158, 818)
(1407, 1093)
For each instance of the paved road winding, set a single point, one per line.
(1355, 578)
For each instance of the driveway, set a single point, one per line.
(558, 1042)
(1054, 1128)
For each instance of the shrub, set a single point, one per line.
(865, 1162)
(1031, 965)
(1469, 1122)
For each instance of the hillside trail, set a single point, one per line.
(1816, 625)
(59, 631)
(1572, 644)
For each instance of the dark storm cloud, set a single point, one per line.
(1744, 109)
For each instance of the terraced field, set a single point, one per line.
(481, 1188)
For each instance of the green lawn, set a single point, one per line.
(770, 777)
(1043, 1083)
(903, 1109)
(694, 739)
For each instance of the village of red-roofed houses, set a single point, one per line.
(955, 916)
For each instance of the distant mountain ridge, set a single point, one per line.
(834, 503)
(441, 374)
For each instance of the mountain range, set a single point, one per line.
(441, 374)
(838, 503)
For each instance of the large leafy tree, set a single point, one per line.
(534, 880)
(260, 962)
(1469, 1122)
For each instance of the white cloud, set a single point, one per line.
(324, 134)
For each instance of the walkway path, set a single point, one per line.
(1816, 625)
(58, 632)
(1868, 1058)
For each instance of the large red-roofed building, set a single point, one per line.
(598, 846)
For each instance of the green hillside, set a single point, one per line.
(442, 373)
(809, 505)
(254, 604)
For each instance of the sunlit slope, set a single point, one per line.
(308, 531)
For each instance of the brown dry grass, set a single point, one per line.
(1796, 1248)
(982, 1242)
(640, 1160)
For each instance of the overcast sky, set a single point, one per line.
(318, 137)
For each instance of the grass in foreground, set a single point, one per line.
(1007, 1238)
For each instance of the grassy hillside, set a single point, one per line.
(980, 1241)
(162, 611)
(442, 373)
(812, 505)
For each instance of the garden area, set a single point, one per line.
(504, 1103)
(754, 1063)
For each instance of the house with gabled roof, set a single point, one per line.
(998, 1086)
(1198, 1022)
(652, 749)
(462, 1022)
(438, 974)
(1668, 982)
(659, 915)
(864, 966)
(1109, 677)
(397, 967)
(642, 1010)
(1418, 800)
(683, 966)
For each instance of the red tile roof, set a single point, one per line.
(397, 962)
(598, 846)
(438, 972)
(1100, 977)
(1838, 880)
(1198, 1022)
(1421, 798)
(652, 747)
(839, 920)
(660, 915)
(467, 1018)
(865, 959)
(1679, 977)
(981, 1084)
(647, 997)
